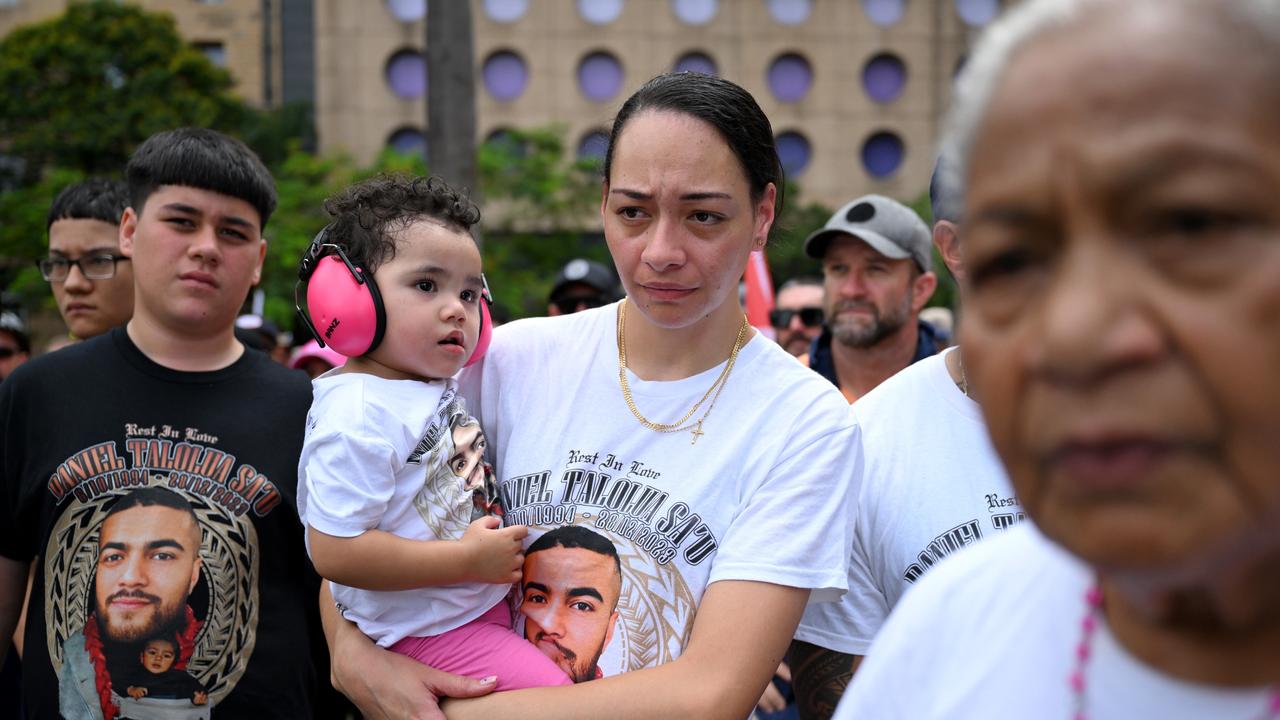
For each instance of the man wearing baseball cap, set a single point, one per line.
(877, 272)
(580, 285)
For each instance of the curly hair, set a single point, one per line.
(368, 215)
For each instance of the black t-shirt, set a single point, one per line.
(99, 423)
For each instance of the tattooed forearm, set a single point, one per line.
(819, 677)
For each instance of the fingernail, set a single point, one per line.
(489, 680)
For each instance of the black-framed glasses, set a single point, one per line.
(7, 352)
(574, 303)
(101, 266)
(809, 317)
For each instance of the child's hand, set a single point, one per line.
(496, 553)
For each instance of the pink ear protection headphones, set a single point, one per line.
(346, 311)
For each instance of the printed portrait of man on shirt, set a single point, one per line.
(569, 600)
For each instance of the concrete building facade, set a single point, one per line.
(855, 89)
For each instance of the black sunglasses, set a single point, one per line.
(7, 352)
(809, 317)
(574, 303)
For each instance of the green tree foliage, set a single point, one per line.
(785, 251)
(83, 89)
(303, 182)
(23, 212)
(540, 210)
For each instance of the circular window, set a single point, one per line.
(599, 76)
(599, 12)
(977, 12)
(883, 77)
(593, 145)
(790, 12)
(505, 75)
(882, 154)
(407, 10)
(790, 77)
(695, 12)
(408, 141)
(407, 74)
(505, 11)
(508, 141)
(884, 12)
(696, 62)
(794, 151)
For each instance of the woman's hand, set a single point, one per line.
(385, 685)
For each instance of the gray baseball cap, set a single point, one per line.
(889, 227)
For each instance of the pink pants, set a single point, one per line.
(483, 647)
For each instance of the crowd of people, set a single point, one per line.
(639, 506)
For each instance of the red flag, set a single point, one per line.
(759, 293)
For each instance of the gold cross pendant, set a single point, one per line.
(697, 433)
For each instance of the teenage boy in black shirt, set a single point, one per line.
(173, 401)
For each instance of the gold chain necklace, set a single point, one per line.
(712, 392)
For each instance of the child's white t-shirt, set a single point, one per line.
(376, 457)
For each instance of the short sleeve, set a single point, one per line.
(349, 481)
(794, 529)
(848, 626)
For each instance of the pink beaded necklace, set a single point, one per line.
(1084, 649)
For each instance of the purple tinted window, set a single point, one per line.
(794, 151)
(695, 12)
(884, 12)
(599, 76)
(600, 12)
(790, 12)
(505, 11)
(977, 12)
(407, 74)
(882, 154)
(407, 10)
(696, 62)
(790, 78)
(592, 145)
(883, 77)
(505, 75)
(408, 141)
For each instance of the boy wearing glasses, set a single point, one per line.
(797, 314)
(91, 281)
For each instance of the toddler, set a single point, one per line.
(399, 503)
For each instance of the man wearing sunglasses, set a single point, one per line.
(877, 271)
(91, 281)
(797, 314)
(581, 285)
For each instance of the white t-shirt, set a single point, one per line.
(763, 495)
(930, 484)
(376, 457)
(992, 633)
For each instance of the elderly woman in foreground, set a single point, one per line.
(1122, 164)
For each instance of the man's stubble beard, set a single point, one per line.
(870, 334)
